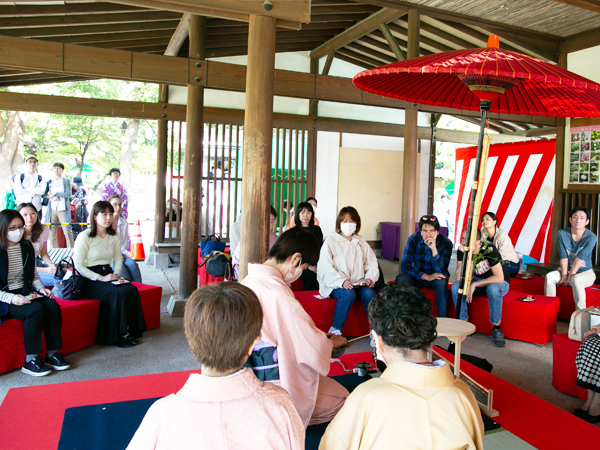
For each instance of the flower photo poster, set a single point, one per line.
(584, 162)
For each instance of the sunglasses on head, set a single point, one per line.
(430, 218)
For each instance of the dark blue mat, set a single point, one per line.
(111, 426)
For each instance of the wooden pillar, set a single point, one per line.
(258, 138)
(311, 150)
(192, 195)
(409, 170)
(432, 155)
(558, 218)
(161, 169)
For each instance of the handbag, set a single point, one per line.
(208, 246)
(68, 285)
(218, 264)
(581, 322)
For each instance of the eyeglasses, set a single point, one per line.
(430, 218)
(16, 228)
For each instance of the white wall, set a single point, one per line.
(585, 63)
(326, 189)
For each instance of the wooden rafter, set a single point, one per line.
(590, 5)
(178, 38)
(400, 56)
(580, 41)
(368, 51)
(357, 31)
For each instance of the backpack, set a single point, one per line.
(218, 264)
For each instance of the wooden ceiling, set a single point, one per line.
(540, 28)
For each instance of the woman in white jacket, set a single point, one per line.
(347, 268)
(500, 240)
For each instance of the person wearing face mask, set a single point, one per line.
(38, 235)
(347, 268)
(415, 402)
(121, 319)
(131, 270)
(292, 352)
(24, 297)
(575, 245)
(114, 187)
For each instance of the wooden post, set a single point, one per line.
(311, 150)
(190, 231)
(409, 170)
(431, 188)
(161, 169)
(258, 138)
(558, 218)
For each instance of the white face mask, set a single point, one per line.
(15, 235)
(314, 210)
(378, 354)
(291, 277)
(348, 228)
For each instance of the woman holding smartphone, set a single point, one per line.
(121, 319)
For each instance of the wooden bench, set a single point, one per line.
(564, 371)
(79, 325)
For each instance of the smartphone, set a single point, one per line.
(120, 281)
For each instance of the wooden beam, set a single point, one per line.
(181, 34)
(534, 132)
(20, 10)
(237, 10)
(328, 63)
(88, 19)
(356, 62)
(360, 56)
(328, 18)
(357, 31)
(580, 41)
(287, 10)
(392, 42)
(590, 5)
(93, 39)
(258, 137)
(424, 40)
(362, 49)
(76, 60)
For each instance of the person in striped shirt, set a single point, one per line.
(24, 297)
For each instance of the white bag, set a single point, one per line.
(581, 322)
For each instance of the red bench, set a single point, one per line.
(79, 324)
(533, 322)
(203, 277)
(564, 371)
(535, 286)
(321, 312)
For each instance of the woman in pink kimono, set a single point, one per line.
(225, 407)
(293, 353)
(113, 187)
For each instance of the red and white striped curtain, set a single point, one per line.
(519, 189)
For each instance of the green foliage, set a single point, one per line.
(91, 141)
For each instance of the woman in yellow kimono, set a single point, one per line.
(415, 404)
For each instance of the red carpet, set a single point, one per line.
(542, 425)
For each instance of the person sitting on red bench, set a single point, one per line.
(588, 375)
(226, 403)
(490, 278)
(21, 282)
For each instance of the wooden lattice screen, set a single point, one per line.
(222, 176)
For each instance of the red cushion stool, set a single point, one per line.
(321, 312)
(533, 322)
(150, 296)
(564, 371)
(203, 277)
(430, 294)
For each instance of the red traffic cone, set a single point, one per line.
(137, 246)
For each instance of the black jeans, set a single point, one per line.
(42, 314)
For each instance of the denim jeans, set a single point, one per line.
(439, 286)
(131, 271)
(495, 292)
(345, 298)
(47, 278)
(512, 267)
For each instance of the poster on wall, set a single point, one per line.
(584, 162)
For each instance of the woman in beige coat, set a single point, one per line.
(415, 404)
(500, 239)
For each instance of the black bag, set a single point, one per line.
(71, 288)
(208, 246)
(218, 264)
(482, 363)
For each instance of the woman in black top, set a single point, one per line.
(305, 218)
(24, 297)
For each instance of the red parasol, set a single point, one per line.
(488, 79)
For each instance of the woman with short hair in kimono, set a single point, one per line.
(416, 403)
(225, 407)
(293, 352)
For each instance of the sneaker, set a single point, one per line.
(334, 331)
(498, 338)
(36, 368)
(57, 362)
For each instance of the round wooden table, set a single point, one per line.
(456, 331)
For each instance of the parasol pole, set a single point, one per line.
(474, 207)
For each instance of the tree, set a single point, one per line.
(12, 129)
